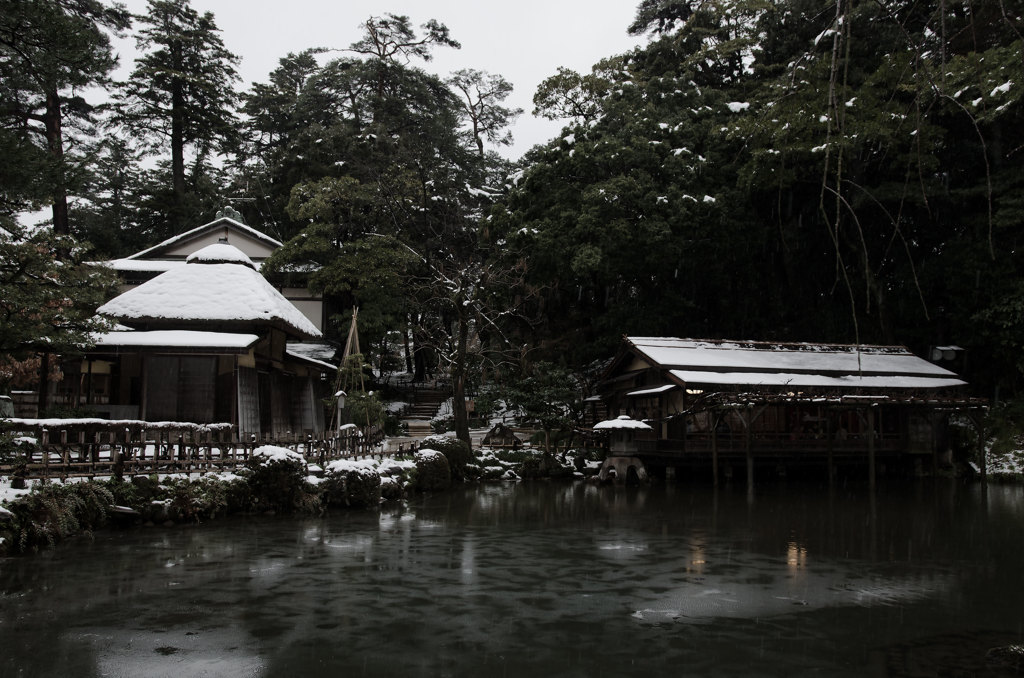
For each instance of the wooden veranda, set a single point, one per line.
(744, 431)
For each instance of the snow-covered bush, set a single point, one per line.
(390, 488)
(277, 479)
(458, 453)
(432, 471)
(351, 483)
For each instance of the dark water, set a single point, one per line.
(541, 580)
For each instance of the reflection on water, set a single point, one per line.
(568, 580)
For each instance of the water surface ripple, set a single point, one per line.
(541, 579)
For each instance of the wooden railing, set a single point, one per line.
(51, 448)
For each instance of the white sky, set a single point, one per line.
(524, 40)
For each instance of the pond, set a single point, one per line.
(542, 579)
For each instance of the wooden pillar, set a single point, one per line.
(749, 425)
(714, 448)
(871, 446)
(144, 388)
(830, 445)
(89, 398)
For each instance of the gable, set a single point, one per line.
(254, 244)
(251, 246)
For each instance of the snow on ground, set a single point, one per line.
(8, 493)
(445, 411)
(1007, 464)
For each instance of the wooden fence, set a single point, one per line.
(52, 448)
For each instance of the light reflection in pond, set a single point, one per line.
(570, 580)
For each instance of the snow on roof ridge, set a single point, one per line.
(198, 229)
(220, 253)
(761, 345)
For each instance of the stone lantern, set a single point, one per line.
(622, 463)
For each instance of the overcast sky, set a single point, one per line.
(523, 40)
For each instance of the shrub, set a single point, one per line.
(351, 483)
(458, 453)
(53, 512)
(194, 500)
(277, 479)
(16, 452)
(390, 488)
(432, 471)
(530, 468)
(123, 493)
(238, 495)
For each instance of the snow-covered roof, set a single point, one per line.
(313, 352)
(220, 253)
(651, 391)
(220, 222)
(200, 291)
(792, 364)
(176, 339)
(623, 421)
(161, 265)
(142, 265)
(305, 358)
(789, 379)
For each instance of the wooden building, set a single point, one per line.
(227, 227)
(728, 405)
(209, 340)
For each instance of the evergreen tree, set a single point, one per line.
(108, 214)
(48, 299)
(480, 98)
(881, 150)
(631, 221)
(273, 154)
(180, 99)
(390, 190)
(49, 52)
(860, 163)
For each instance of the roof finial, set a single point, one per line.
(230, 212)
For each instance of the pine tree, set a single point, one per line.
(480, 99)
(49, 52)
(180, 98)
(108, 213)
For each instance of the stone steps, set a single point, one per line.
(419, 428)
(424, 405)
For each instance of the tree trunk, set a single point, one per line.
(408, 350)
(55, 142)
(178, 153)
(459, 380)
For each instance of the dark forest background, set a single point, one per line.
(791, 170)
